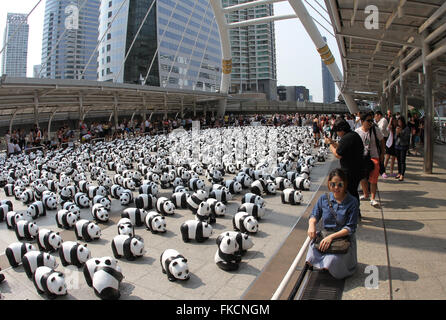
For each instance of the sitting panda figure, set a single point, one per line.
(151, 188)
(179, 199)
(252, 209)
(245, 223)
(37, 209)
(244, 179)
(81, 200)
(116, 191)
(27, 196)
(49, 200)
(91, 264)
(48, 241)
(72, 207)
(67, 193)
(6, 203)
(165, 206)
(283, 183)
(196, 184)
(302, 184)
(217, 209)
(233, 186)
(195, 199)
(126, 198)
(253, 198)
(292, 196)
(50, 282)
(15, 252)
(13, 217)
(26, 230)
(155, 222)
(128, 247)
(73, 253)
(165, 181)
(107, 277)
(194, 229)
(260, 186)
(174, 265)
(226, 256)
(34, 259)
(66, 219)
(87, 230)
(136, 216)
(99, 213)
(126, 227)
(243, 240)
(203, 212)
(221, 195)
(145, 201)
(106, 202)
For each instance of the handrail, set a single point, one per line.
(291, 270)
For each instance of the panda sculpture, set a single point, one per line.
(217, 209)
(301, 183)
(27, 196)
(203, 212)
(196, 184)
(283, 183)
(66, 219)
(174, 265)
(50, 282)
(15, 252)
(26, 230)
(7, 203)
(126, 197)
(253, 209)
(73, 253)
(13, 217)
(89, 267)
(49, 201)
(126, 227)
(233, 186)
(253, 198)
(81, 200)
(67, 193)
(107, 277)
(151, 188)
(155, 222)
(195, 199)
(226, 256)
(34, 259)
(37, 209)
(179, 199)
(99, 213)
(116, 191)
(292, 196)
(128, 247)
(245, 223)
(106, 202)
(221, 195)
(194, 229)
(72, 207)
(136, 216)
(165, 206)
(243, 240)
(145, 201)
(48, 241)
(87, 230)
(260, 187)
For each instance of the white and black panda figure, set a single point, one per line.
(50, 282)
(243, 240)
(13, 217)
(34, 259)
(128, 247)
(245, 223)
(145, 201)
(196, 184)
(195, 199)
(253, 209)
(165, 206)
(66, 219)
(244, 179)
(203, 212)
(67, 193)
(221, 195)
(15, 252)
(73, 253)
(7, 203)
(233, 186)
(292, 196)
(104, 200)
(152, 189)
(179, 199)
(129, 183)
(9, 190)
(48, 241)
(49, 200)
(106, 281)
(81, 200)
(99, 213)
(26, 230)
(83, 185)
(72, 207)
(116, 191)
(87, 230)
(136, 216)
(126, 198)
(165, 181)
(302, 184)
(260, 187)
(226, 256)
(27, 196)
(197, 230)
(253, 198)
(155, 222)
(126, 227)
(283, 183)
(174, 265)
(218, 209)
(4, 209)
(36, 209)
(89, 267)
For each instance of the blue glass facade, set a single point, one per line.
(69, 39)
(14, 57)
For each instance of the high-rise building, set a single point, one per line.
(15, 55)
(70, 36)
(253, 51)
(36, 70)
(328, 84)
(293, 93)
(179, 43)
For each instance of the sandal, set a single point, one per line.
(397, 176)
(401, 178)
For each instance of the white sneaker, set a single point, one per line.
(363, 198)
(374, 203)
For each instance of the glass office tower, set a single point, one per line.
(70, 35)
(328, 83)
(179, 43)
(14, 57)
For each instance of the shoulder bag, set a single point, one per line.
(382, 169)
(338, 245)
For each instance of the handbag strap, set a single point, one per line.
(330, 205)
(378, 146)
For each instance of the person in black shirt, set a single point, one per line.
(349, 150)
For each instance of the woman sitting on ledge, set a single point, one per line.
(339, 221)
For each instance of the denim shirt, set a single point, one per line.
(346, 212)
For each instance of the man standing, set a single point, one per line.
(349, 150)
(383, 125)
(369, 134)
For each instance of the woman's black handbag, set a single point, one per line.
(369, 165)
(338, 245)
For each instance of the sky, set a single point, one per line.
(298, 62)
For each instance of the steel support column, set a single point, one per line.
(12, 119)
(428, 109)
(36, 109)
(222, 103)
(165, 106)
(49, 123)
(182, 108)
(115, 111)
(403, 92)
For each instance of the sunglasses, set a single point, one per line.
(339, 184)
(370, 120)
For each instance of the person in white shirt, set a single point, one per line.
(10, 148)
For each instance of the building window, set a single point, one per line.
(110, 4)
(108, 59)
(108, 36)
(110, 14)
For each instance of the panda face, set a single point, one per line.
(83, 201)
(204, 209)
(83, 253)
(270, 188)
(200, 184)
(159, 224)
(72, 218)
(51, 202)
(56, 284)
(94, 231)
(137, 247)
(220, 208)
(55, 240)
(251, 224)
(125, 198)
(168, 207)
(228, 245)
(179, 269)
(107, 182)
(105, 202)
(237, 187)
(74, 209)
(22, 216)
(102, 214)
(177, 182)
(125, 229)
(207, 230)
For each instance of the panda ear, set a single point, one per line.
(184, 260)
(57, 233)
(85, 245)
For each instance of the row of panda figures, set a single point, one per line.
(59, 178)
